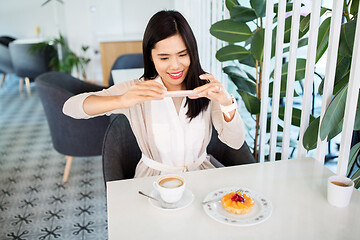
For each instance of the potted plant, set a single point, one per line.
(68, 60)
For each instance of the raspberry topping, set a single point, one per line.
(237, 198)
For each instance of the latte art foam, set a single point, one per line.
(171, 182)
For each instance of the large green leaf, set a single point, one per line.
(252, 103)
(335, 131)
(357, 182)
(231, 52)
(323, 38)
(251, 77)
(257, 44)
(311, 135)
(354, 9)
(296, 116)
(242, 14)
(342, 71)
(352, 156)
(230, 3)
(259, 6)
(287, 31)
(305, 23)
(249, 61)
(240, 80)
(230, 31)
(347, 36)
(334, 113)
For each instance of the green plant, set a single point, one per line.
(68, 60)
(244, 32)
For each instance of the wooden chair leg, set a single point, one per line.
(27, 83)
(3, 79)
(21, 85)
(69, 160)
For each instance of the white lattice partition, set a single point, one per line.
(331, 53)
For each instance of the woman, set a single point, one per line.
(172, 133)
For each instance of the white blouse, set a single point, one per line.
(178, 140)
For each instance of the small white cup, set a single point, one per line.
(170, 187)
(339, 191)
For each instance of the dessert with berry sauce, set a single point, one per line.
(237, 203)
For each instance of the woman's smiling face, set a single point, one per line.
(172, 61)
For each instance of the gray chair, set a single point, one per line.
(6, 66)
(71, 137)
(121, 152)
(127, 61)
(28, 63)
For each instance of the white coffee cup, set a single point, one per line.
(170, 187)
(339, 191)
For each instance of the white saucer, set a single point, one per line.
(185, 201)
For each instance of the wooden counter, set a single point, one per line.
(109, 52)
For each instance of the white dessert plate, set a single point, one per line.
(260, 212)
(185, 201)
(183, 93)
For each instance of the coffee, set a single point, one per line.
(341, 184)
(171, 182)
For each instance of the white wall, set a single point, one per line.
(83, 22)
(19, 18)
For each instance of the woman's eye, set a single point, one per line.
(183, 55)
(163, 59)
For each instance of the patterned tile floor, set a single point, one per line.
(34, 203)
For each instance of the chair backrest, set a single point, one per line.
(6, 40)
(127, 61)
(331, 64)
(30, 63)
(5, 58)
(121, 152)
(74, 137)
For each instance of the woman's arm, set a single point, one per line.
(113, 99)
(231, 133)
(228, 124)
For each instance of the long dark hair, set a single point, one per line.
(165, 24)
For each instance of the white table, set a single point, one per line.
(296, 188)
(122, 75)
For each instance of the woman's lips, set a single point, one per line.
(176, 75)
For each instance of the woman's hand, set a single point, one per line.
(142, 91)
(213, 90)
